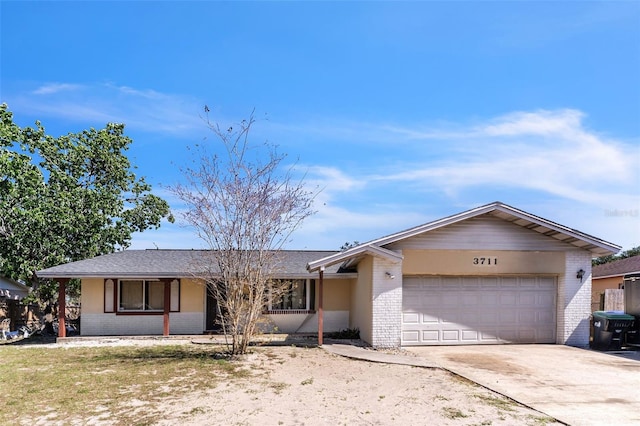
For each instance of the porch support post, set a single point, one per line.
(62, 306)
(167, 307)
(320, 312)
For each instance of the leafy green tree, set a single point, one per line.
(635, 251)
(67, 198)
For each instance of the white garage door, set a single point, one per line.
(478, 310)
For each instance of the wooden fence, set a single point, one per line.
(33, 317)
(613, 300)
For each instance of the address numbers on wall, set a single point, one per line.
(485, 261)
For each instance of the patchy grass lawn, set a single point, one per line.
(167, 384)
(83, 382)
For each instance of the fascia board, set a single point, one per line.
(559, 228)
(80, 275)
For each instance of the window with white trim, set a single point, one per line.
(294, 295)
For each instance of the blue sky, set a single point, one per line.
(402, 112)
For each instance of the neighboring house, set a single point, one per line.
(610, 276)
(11, 289)
(493, 274)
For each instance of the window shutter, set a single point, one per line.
(109, 295)
(175, 296)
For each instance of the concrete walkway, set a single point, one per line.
(576, 386)
(366, 354)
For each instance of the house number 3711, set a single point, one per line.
(485, 261)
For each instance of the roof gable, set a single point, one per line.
(528, 221)
(352, 256)
(515, 216)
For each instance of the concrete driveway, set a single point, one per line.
(575, 386)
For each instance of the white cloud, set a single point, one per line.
(549, 151)
(562, 122)
(53, 88)
(546, 162)
(401, 170)
(331, 179)
(543, 158)
(147, 94)
(99, 103)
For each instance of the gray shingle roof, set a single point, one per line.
(629, 265)
(170, 264)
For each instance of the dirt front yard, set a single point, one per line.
(275, 385)
(310, 386)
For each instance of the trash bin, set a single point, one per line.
(609, 328)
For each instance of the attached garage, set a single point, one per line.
(439, 310)
(490, 275)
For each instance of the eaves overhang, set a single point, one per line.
(622, 275)
(131, 275)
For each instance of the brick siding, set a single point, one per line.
(127, 325)
(574, 300)
(387, 303)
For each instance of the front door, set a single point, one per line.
(212, 322)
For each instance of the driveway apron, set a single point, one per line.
(575, 386)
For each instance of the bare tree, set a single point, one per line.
(244, 205)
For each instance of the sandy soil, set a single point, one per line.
(309, 386)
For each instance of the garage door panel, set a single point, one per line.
(431, 336)
(508, 317)
(468, 317)
(528, 317)
(410, 318)
(478, 310)
(469, 335)
(545, 299)
(411, 336)
(468, 299)
(529, 334)
(488, 298)
(528, 298)
(429, 319)
(484, 317)
(486, 337)
(546, 335)
(545, 318)
(451, 335)
(508, 335)
(450, 299)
